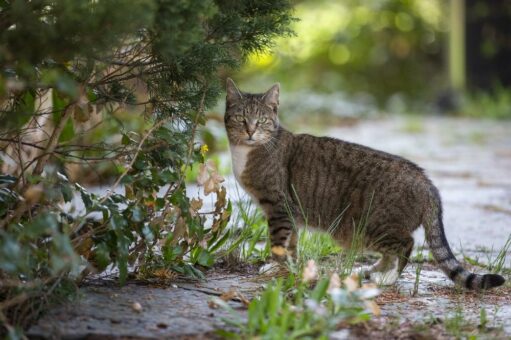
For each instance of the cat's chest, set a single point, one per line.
(239, 156)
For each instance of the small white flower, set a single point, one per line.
(335, 282)
(310, 272)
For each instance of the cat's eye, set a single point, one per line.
(239, 118)
(261, 120)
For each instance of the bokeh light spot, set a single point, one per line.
(339, 54)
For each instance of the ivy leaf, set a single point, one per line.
(137, 214)
(102, 256)
(7, 179)
(118, 222)
(67, 193)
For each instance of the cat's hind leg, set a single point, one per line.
(388, 273)
(395, 250)
(383, 264)
(384, 271)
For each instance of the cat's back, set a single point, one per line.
(338, 155)
(328, 175)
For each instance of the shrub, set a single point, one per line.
(123, 83)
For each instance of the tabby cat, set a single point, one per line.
(299, 179)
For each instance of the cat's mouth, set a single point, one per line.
(245, 139)
(250, 141)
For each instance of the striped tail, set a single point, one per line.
(443, 255)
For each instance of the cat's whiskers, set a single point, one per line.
(273, 141)
(267, 148)
(270, 146)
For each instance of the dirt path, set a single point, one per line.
(165, 310)
(470, 162)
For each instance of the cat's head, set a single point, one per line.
(251, 119)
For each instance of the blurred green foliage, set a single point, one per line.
(380, 48)
(495, 104)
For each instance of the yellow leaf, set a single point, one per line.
(204, 149)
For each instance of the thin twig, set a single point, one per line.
(130, 165)
(54, 139)
(190, 143)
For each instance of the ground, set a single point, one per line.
(469, 161)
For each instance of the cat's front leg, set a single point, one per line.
(283, 235)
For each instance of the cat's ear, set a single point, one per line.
(233, 93)
(271, 97)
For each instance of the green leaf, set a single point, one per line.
(14, 257)
(67, 192)
(125, 140)
(192, 271)
(169, 176)
(137, 213)
(102, 256)
(118, 222)
(68, 132)
(147, 233)
(319, 291)
(44, 224)
(220, 242)
(122, 257)
(60, 80)
(205, 258)
(171, 253)
(86, 198)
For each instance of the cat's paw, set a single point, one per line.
(270, 268)
(279, 254)
(386, 278)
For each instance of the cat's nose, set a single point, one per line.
(251, 129)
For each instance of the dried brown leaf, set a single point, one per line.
(179, 230)
(373, 307)
(221, 199)
(209, 177)
(195, 206)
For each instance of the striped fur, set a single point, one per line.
(299, 179)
